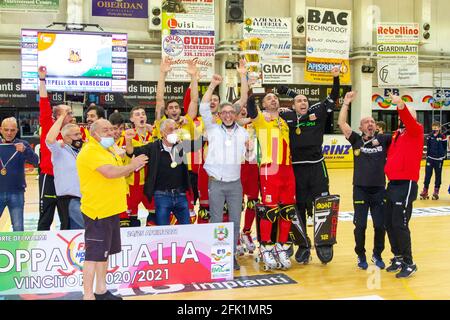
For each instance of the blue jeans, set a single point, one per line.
(75, 215)
(168, 202)
(15, 202)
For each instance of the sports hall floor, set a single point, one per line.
(340, 279)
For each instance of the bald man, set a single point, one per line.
(103, 197)
(402, 169)
(370, 151)
(13, 154)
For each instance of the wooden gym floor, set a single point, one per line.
(340, 279)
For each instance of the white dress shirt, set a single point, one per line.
(226, 148)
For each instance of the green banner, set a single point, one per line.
(29, 5)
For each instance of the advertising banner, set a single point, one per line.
(188, 34)
(337, 151)
(327, 44)
(52, 261)
(398, 54)
(29, 5)
(423, 99)
(120, 9)
(275, 48)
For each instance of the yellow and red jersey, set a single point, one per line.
(273, 140)
(85, 135)
(138, 178)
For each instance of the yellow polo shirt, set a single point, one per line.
(100, 197)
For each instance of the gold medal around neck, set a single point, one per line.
(3, 172)
(173, 165)
(298, 131)
(356, 152)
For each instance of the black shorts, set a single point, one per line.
(101, 237)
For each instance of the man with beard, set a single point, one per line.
(306, 129)
(276, 179)
(64, 158)
(136, 180)
(93, 113)
(47, 116)
(369, 151)
(172, 110)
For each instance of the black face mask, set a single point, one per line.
(77, 144)
(230, 126)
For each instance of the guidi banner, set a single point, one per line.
(327, 44)
(398, 54)
(188, 34)
(52, 261)
(275, 48)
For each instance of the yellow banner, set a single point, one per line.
(318, 70)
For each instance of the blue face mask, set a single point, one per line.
(107, 142)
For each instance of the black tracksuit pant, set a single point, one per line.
(400, 195)
(47, 203)
(365, 198)
(311, 181)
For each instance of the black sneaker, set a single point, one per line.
(407, 271)
(396, 265)
(107, 296)
(236, 264)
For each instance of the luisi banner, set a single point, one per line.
(188, 34)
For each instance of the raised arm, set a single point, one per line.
(335, 90)
(54, 131)
(205, 110)
(411, 124)
(160, 88)
(192, 70)
(342, 120)
(42, 71)
(244, 83)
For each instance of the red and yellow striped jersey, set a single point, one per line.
(273, 139)
(138, 177)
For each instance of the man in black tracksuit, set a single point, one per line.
(306, 129)
(436, 154)
(369, 181)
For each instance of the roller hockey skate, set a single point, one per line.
(435, 195)
(424, 194)
(247, 242)
(266, 256)
(240, 251)
(283, 256)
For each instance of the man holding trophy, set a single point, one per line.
(276, 173)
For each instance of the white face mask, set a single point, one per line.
(172, 138)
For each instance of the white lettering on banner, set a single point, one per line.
(149, 257)
(275, 54)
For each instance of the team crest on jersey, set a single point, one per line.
(356, 152)
(268, 198)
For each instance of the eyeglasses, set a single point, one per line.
(228, 113)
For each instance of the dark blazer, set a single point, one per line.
(153, 152)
